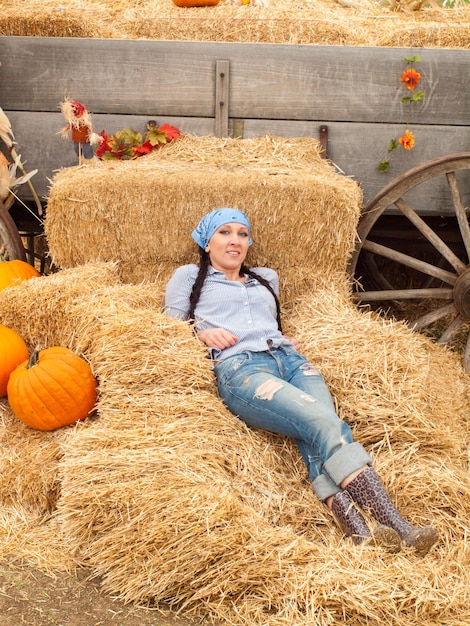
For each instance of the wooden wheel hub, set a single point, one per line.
(462, 294)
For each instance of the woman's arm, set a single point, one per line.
(177, 296)
(219, 338)
(295, 342)
(178, 291)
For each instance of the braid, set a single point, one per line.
(198, 283)
(265, 283)
(204, 262)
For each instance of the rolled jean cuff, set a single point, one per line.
(347, 460)
(324, 487)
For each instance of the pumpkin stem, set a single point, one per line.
(33, 359)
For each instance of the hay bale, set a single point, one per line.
(288, 191)
(391, 396)
(43, 19)
(31, 480)
(53, 320)
(40, 309)
(190, 507)
(323, 22)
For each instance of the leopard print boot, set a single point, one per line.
(354, 525)
(369, 493)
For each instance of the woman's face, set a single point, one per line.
(228, 247)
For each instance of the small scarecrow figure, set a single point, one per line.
(79, 122)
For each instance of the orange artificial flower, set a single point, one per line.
(407, 140)
(411, 78)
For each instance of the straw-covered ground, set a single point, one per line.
(339, 22)
(32, 597)
(166, 496)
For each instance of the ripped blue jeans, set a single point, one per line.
(280, 391)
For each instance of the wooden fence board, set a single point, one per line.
(267, 81)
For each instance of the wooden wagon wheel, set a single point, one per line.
(11, 246)
(441, 275)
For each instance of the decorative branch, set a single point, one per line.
(8, 138)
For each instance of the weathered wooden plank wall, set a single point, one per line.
(286, 90)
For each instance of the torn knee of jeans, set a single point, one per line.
(309, 370)
(267, 389)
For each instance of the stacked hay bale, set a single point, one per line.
(167, 495)
(140, 213)
(324, 22)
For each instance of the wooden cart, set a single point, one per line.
(413, 237)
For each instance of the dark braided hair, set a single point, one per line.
(204, 262)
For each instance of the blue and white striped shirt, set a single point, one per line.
(247, 310)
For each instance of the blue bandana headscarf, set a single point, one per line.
(214, 220)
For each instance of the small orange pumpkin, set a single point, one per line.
(13, 351)
(196, 3)
(12, 272)
(54, 388)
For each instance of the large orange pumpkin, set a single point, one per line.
(12, 272)
(13, 351)
(54, 388)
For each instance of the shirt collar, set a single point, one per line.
(248, 278)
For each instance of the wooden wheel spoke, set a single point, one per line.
(378, 277)
(460, 213)
(451, 330)
(409, 261)
(433, 316)
(403, 294)
(431, 236)
(466, 356)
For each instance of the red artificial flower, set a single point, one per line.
(145, 148)
(103, 144)
(411, 78)
(407, 140)
(171, 132)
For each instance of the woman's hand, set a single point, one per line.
(217, 338)
(295, 342)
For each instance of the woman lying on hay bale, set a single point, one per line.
(264, 380)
